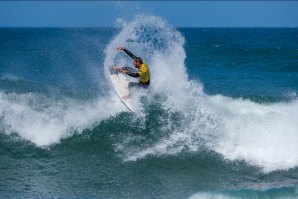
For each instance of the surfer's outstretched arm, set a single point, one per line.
(133, 74)
(127, 52)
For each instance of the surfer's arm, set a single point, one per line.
(133, 74)
(121, 70)
(127, 52)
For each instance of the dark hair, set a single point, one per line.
(138, 59)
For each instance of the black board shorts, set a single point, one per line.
(138, 85)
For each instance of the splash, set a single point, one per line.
(263, 135)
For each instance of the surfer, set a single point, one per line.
(143, 71)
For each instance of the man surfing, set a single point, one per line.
(143, 71)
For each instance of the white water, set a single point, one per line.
(263, 135)
(45, 122)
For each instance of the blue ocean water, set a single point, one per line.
(220, 119)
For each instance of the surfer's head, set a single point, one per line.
(137, 62)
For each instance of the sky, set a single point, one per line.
(178, 13)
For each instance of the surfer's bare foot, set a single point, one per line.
(126, 97)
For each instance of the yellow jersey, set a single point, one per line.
(144, 73)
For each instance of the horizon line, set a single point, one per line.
(175, 27)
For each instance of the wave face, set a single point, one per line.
(213, 122)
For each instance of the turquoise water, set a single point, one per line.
(218, 121)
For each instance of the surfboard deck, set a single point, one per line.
(120, 84)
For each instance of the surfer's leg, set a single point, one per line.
(134, 85)
(145, 85)
(130, 86)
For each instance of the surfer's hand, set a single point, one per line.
(116, 68)
(121, 70)
(120, 48)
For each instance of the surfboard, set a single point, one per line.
(120, 84)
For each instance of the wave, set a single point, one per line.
(176, 114)
(264, 135)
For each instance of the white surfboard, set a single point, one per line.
(120, 83)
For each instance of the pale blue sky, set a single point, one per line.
(178, 13)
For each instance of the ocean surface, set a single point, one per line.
(219, 120)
